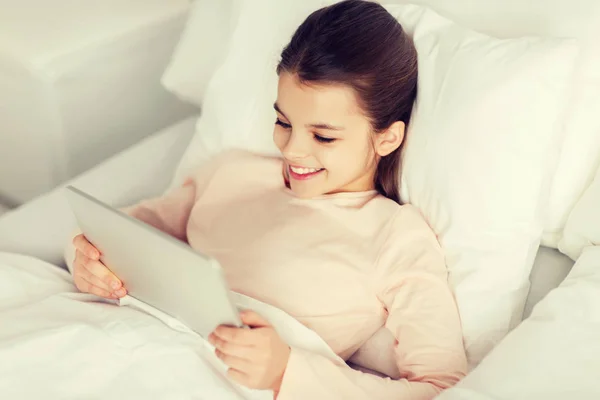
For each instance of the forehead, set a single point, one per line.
(327, 100)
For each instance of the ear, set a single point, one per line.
(390, 139)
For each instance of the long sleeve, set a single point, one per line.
(423, 318)
(170, 212)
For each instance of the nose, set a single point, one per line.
(296, 147)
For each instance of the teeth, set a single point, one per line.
(303, 171)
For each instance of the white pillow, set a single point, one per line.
(201, 49)
(583, 226)
(479, 156)
(579, 19)
(554, 354)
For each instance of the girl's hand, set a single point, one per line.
(257, 357)
(90, 275)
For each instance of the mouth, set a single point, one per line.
(302, 173)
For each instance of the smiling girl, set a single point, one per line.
(320, 232)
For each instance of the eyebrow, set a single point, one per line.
(319, 125)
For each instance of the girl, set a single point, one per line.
(320, 231)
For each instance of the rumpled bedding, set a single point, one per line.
(57, 343)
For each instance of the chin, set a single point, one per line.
(305, 193)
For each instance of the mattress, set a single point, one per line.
(79, 82)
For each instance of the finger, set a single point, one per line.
(232, 349)
(235, 335)
(239, 377)
(253, 319)
(231, 361)
(82, 244)
(100, 270)
(88, 287)
(93, 279)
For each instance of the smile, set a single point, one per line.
(301, 173)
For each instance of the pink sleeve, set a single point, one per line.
(423, 318)
(170, 213)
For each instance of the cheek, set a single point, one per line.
(347, 158)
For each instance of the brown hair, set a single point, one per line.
(359, 44)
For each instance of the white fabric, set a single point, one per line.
(554, 354)
(550, 268)
(583, 226)
(479, 155)
(580, 151)
(58, 344)
(79, 82)
(41, 227)
(201, 49)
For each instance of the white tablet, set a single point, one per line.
(155, 267)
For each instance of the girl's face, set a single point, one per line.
(327, 143)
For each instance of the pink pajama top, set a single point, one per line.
(343, 264)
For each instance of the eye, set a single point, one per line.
(282, 124)
(323, 139)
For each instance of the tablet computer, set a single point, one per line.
(155, 267)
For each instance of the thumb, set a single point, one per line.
(253, 320)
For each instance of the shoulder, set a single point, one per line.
(411, 245)
(409, 220)
(408, 224)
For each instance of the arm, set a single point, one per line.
(423, 318)
(170, 212)
(429, 353)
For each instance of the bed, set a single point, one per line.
(41, 227)
(552, 354)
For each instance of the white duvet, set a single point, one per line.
(56, 343)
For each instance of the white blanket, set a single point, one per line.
(56, 343)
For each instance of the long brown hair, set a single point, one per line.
(359, 44)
